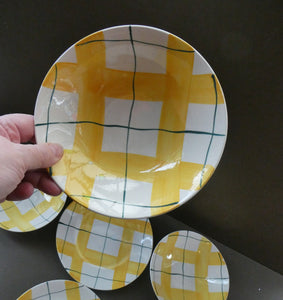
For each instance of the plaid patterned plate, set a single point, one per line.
(142, 119)
(30, 214)
(59, 290)
(101, 252)
(185, 265)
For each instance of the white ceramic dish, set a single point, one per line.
(186, 265)
(59, 290)
(141, 116)
(30, 214)
(101, 252)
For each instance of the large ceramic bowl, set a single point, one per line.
(141, 116)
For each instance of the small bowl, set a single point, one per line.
(59, 289)
(186, 265)
(142, 119)
(30, 214)
(101, 252)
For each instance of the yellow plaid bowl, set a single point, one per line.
(30, 214)
(59, 290)
(142, 119)
(101, 252)
(186, 265)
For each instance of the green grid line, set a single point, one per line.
(191, 237)
(142, 247)
(50, 102)
(48, 290)
(99, 277)
(126, 204)
(129, 121)
(54, 293)
(188, 276)
(50, 218)
(35, 208)
(136, 41)
(48, 111)
(100, 235)
(66, 233)
(130, 128)
(102, 253)
(213, 128)
(183, 264)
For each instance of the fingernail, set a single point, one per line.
(57, 150)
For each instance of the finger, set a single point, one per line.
(40, 156)
(41, 180)
(18, 128)
(23, 191)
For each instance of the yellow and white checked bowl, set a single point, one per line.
(101, 252)
(185, 265)
(141, 116)
(30, 214)
(59, 290)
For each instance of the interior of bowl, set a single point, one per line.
(30, 214)
(59, 289)
(186, 265)
(142, 119)
(106, 253)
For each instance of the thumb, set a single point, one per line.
(41, 155)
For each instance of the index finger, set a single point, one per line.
(18, 127)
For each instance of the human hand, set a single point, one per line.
(23, 166)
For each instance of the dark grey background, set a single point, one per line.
(241, 205)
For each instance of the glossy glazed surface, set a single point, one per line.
(101, 252)
(59, 290)
(186, 265)
(30, 214)
(141, 116)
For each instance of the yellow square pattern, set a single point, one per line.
(187, 266)
(101, 252)
(30, 214)
(59, 289)
(92, 80)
